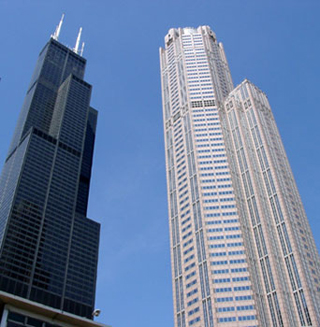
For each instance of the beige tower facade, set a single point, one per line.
(241, 246)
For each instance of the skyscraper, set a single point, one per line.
(241, 247)
(48, 247)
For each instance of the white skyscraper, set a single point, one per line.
(242, 250)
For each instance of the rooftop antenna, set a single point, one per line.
(82, 48)
(76, 48)
(58, 29)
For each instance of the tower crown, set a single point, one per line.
(56, 35)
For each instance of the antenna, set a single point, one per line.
(82, 48)
(58, 29)
(76, 48)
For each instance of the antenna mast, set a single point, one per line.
(76, 48)
(56, 34)
(58, 29)
(82, 48)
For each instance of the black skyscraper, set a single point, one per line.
(48, 247)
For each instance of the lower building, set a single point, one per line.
(16, 311)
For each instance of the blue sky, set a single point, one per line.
(275, 44)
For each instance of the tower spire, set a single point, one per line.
(76, 48)
(82, 48)
(58, 29)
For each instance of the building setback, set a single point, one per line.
(242, 250)
(48, 247)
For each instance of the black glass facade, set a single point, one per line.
(49, 247)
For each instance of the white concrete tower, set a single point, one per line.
(229, 269)
(284, 260)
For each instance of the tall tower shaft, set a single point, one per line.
(240, 256)
(48, 247)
